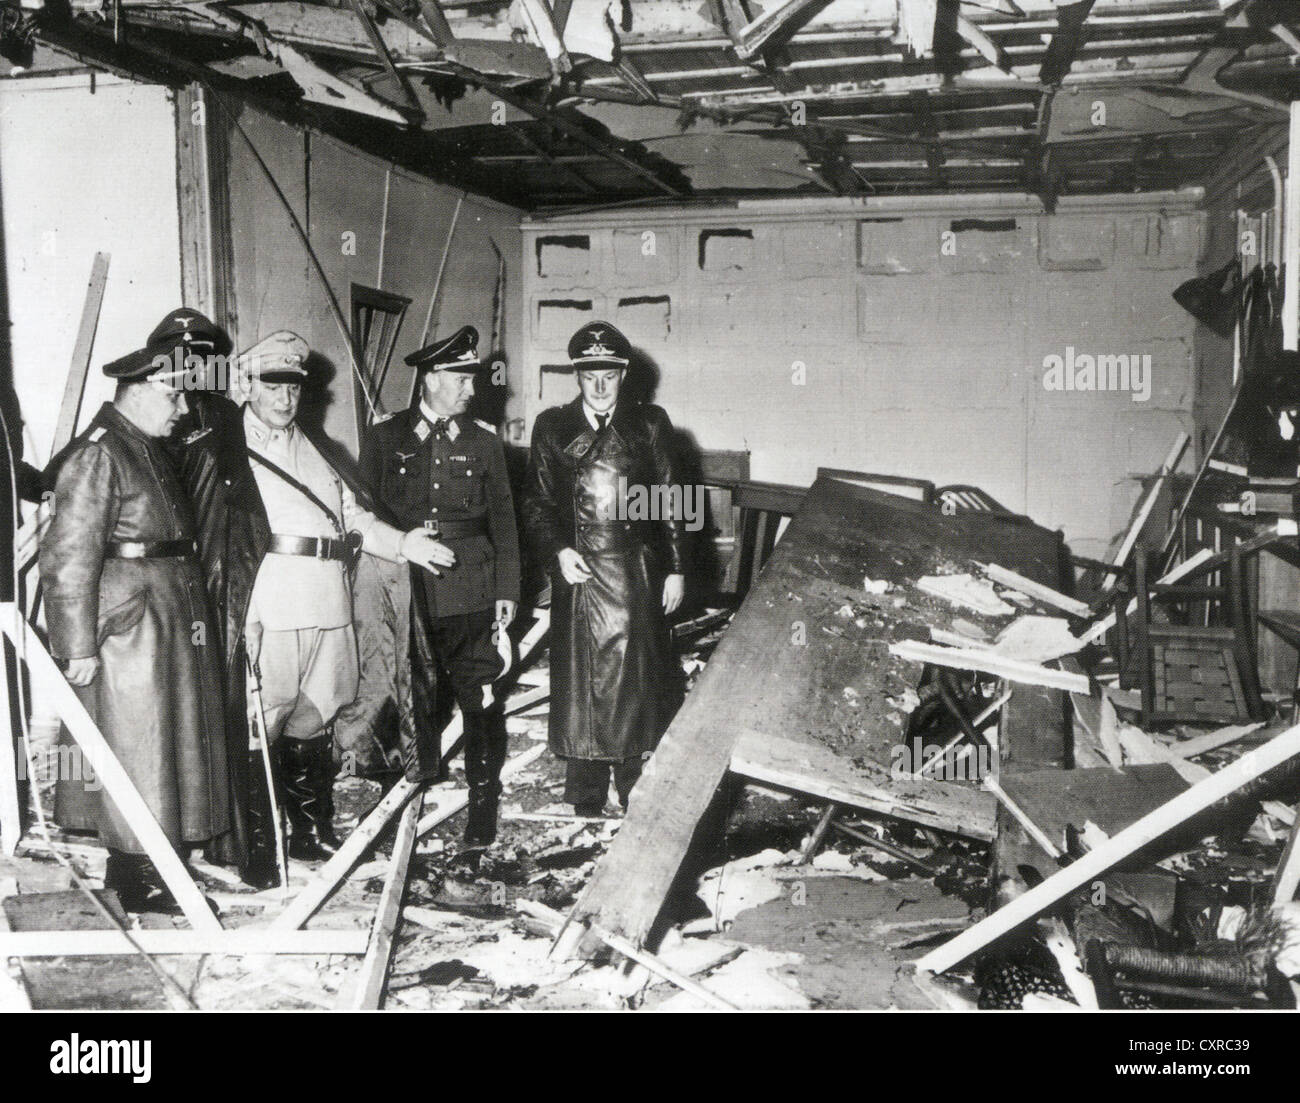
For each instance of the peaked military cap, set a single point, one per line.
(459, 352)
(192, 330)
(599, 344)
(279, 358)
(186, 331)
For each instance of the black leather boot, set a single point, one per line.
(138, 884)
(262, 869)
(307, 784)
(484, 755)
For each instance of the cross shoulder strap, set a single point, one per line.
(301, 487)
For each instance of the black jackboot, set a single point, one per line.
(485, 752)
(262, 869)
(138, 884)
(307, 781)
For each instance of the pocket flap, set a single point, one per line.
(122, 618)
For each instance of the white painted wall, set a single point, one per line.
(916, 360)
(84, 167)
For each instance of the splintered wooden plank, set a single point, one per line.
(814, 769)
(783, 667)
(367, 992)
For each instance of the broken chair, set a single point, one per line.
(1186, 672)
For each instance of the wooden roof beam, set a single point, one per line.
(577, 133)
(1066, 42)
(381, 50)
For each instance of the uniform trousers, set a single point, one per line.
(308, 675)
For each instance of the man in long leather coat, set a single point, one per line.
(127, 616)
(615, 683)
(233, 535)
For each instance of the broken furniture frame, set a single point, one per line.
(1105, 857)
(1142, 654)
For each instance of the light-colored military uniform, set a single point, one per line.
(309, 648)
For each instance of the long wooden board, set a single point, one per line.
(367, 992)
(813, 769)
(785, 664)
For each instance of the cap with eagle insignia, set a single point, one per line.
(185, 330)
(279, 358)
(599, 344)
(459, 352)
(191, 329)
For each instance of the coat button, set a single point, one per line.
(468, 471)
(437, 486)
(401, 470)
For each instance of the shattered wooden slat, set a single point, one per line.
(1099, 861)
(245, 940)
(990, 663)
(368, 987)
(818, 771)
(303, 906)
(1144, 510)
(1037, 590)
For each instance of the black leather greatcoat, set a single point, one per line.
(615, 681)
(157, 695)
(233, 536)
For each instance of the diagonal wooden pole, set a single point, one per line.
(1104, 857)
(121, 789)
(367, 991)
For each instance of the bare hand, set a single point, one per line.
(674, 591)
(253, 641)
(574, 568)
(425, 550)
(505, 612)
(81, 672)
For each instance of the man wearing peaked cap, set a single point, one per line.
(434, 466)
(288, 591)
(128, 620)
(615, 682)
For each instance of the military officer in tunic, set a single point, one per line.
(128, 621)
(434, 466)
(298, 627)
(615, 682)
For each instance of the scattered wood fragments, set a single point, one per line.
(1099, 861)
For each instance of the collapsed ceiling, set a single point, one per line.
(596, 102)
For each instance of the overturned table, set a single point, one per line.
(803, 693)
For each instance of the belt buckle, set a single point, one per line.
(323, 547)
(432, 527)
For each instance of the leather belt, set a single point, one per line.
(313, 547)
(458, 530)
(150, 549)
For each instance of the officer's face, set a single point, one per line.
(276, 403)
(448, 392)
(600, 387)
(157, 407)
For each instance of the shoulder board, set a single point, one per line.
(198, 435)
(96, 433)
(486, 426)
